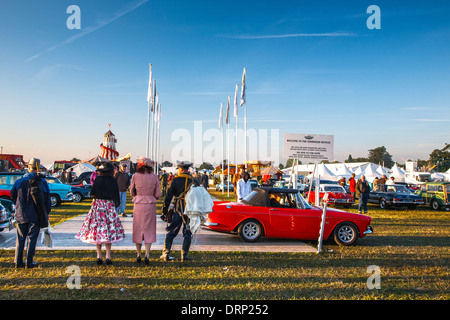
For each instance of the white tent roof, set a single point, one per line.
(382, 170)
(325, 173)
(82, 167)
(343, 172)
(371, 173)
(398, 173)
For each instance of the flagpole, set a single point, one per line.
(221, 142)
(228, 149)
(244, 102)
(153, 108)
(159, 139)
(236, 115)
(149, 101)
(148, 131)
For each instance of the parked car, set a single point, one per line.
(436, 194)
(254, 183)
(290, 217)
(337, 195)
(221, 186)
(394, 195)
(85, 176)
(59, 192)
(7, 212)
(285, 184)
(81, 192)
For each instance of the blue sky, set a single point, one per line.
(312, 67)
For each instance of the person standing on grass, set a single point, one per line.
(145, 190)
(123, 181)
(102, 224)
(352, 186)
(31, 196)
(177, 191)
(363, 189)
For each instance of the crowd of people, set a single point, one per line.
(102, 225)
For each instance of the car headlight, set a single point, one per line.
(3, 213)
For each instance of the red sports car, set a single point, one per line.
(336, 195)
(284, 213)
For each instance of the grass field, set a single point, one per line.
(410, 248)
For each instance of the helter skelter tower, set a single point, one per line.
(108, 147)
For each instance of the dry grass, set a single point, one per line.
(411, 248)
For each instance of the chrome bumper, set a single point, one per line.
(369, 230)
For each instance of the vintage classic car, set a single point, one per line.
(436, 194)
(58, 191)
(394, 195)
(224, 186)
(336, 195)
(7, 211)
(284, 213)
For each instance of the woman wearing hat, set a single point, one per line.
(145, 190)
(102, 224)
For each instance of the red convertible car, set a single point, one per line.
(336, 195)
(284, 213)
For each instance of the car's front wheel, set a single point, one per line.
(250, 230)
(77, 197)
(346, 234)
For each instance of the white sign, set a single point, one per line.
(308, 147)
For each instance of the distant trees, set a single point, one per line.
(377, 155)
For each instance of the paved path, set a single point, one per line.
(64, 233)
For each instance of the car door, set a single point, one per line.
(295, 222)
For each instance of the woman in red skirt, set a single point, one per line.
(102, 224)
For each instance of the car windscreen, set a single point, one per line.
(334, 189)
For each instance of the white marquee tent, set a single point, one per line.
(398, 173)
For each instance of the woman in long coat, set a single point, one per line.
(145, 190)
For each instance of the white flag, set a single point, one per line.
(228, 108)
(243, 88)
(149, 93)
(236, 101)
(221, 115)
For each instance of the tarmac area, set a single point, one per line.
(63, 236)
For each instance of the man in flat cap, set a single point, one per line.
(177, 191)
(31, 195)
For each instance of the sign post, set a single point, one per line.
(322, 224)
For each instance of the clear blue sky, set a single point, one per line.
(312, 67)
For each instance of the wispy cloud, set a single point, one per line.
(432, 120)
(90, 29)
(290, 35)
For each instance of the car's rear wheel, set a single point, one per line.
(346, 234)
(55, 200)
(383, 204)
(250, 230)
(434, 205)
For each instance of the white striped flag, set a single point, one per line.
(236, 101)
(221, 115)
(228, 108)
(243, 88)
(150, 91)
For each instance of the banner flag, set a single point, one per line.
(243, 88)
